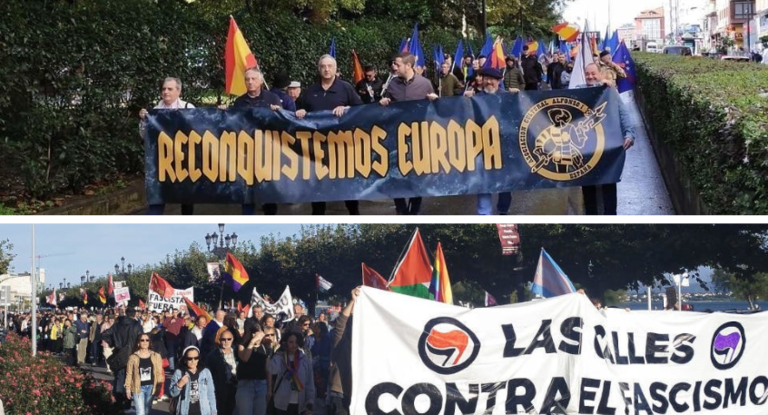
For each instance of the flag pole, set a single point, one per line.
(400, 258)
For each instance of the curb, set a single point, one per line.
(121, 202)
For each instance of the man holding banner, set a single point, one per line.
(330, 94)
(407, 87)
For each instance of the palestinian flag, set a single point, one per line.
(414, 273)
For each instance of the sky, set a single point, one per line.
(622, 11)
(73, 249)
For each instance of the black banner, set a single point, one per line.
(452, 146)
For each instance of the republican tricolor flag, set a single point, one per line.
(234, 272)
(237, 59)
(195, 310)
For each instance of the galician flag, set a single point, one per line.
(413, 274)
(440, 286)
(237, 59)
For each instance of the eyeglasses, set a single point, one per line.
(226, 340)
(196, 358)
(144, 340)
(305, 324)
(269, 335)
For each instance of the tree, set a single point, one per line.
(750, 290)
(6, 256)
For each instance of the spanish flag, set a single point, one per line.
(102, 297)
(440, 286)
(237, 59)
(84, 295)
(195, 310)
(234, 272)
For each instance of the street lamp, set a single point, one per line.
(219, 245)
(61, 285)
(121, 271)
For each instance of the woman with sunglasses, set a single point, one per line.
(252, 356)
(192, 386)
(223, 366)
(144, 375)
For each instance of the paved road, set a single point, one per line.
(641, 192)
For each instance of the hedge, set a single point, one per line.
(714, 116)
(75, 74)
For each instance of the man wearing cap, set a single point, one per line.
(294, 90)
(279, 88)
(257, 97)
(331, 94)
(407, 87)
(532, 71)
(491, 82)
(611, 71)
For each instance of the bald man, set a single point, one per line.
(595, 78)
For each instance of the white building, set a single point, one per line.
(21, 285)
(761, 19)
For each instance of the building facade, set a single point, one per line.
(761, 23)
(650, 27)
(21, 285)
(627, 34)
(734, 21)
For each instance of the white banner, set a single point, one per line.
(122, 294)
(560, 356)
(213, 271)
(156, 303)
(118, 284)
(281, 310)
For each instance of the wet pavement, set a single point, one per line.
(641, 192)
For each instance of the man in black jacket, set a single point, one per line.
(122, 336)
(369, 88)
(532, 72)
(555, 71)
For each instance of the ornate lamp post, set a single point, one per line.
(121, 271)
(219, 245)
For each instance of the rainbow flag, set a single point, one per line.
(237, 59)
(195, 310)
(440, 286)
(234, 272)
(550, 280)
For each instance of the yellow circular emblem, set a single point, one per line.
(556, 144)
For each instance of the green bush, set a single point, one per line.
(75, 74)
(714, 116)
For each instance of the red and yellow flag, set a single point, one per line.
(497, 56)
(237, 59)
(102, 297)
(357, 68)
(567, 31)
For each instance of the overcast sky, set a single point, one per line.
(622, 11)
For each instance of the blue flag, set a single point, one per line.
(623, 58)
(549, 280)
(333, 48)
(565, 50)
(517, 48)
(613, 42)
(414, 47)
(470, 69)
(542, 49)
(403, 45)
(488, 46)
(458, 57)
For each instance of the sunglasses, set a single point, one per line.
(196, 358)
(227, 339)
(144, 340)
(269, 335)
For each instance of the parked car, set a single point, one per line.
(652, 47)
(735, 58)
(677, 50)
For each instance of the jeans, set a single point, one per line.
(610, 199)
(96, 352)
(142, 402)
(338, 406)
(171, 346)
(251, 397)
(412, 207)
(118, 388)
(485, 203)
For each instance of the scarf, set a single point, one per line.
(292, 371)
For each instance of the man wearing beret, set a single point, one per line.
(491, 86)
